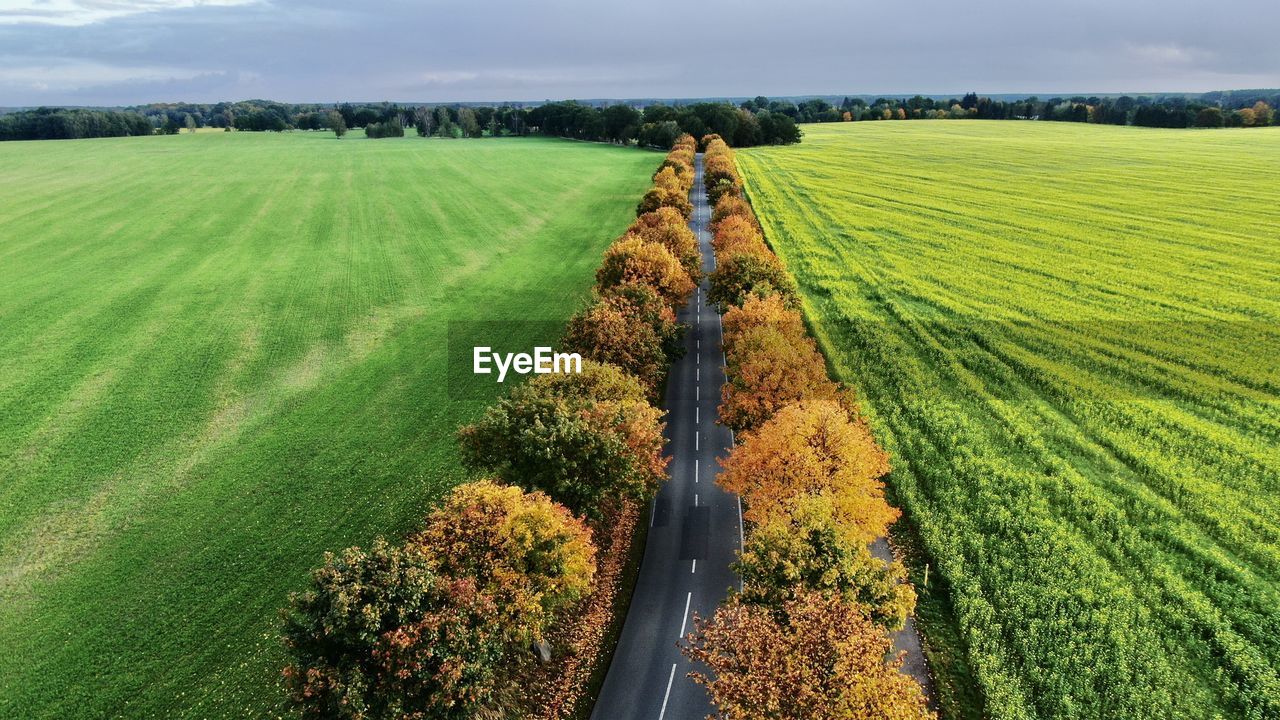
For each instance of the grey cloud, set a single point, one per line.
(437, 51)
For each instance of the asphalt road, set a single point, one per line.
(696, 528)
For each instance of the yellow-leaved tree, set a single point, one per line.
(759, 312)
(813, 449)
(523, 550)
(669, 229)
(631, 259)
(806, 549)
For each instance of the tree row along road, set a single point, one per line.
(696, 528)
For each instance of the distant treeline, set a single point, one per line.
(659, 125)
(656, 125)
(58, 124)
(758, 121)
(1238, 108)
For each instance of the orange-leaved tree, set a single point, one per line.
(812, 449)
(767, 371)
(821, 657)
(666, 227)
(731, 206)
(681, 162)
(720, 176)
(686, 142)
(736, 234)
(722, 189)
(668, 179)
(757, 312)
(523, 550)
(632, 259)
(623, 334)
(642, 301)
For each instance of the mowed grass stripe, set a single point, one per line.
(222, 356)
(1062, 332)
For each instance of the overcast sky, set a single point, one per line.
(111, 52)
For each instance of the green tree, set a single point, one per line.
(1210, 117)
(621, 122)
(805, 550)
(379, 634)
(468, 123)
(336, 123)
(745, 275)
(444, 123)
(584, 439)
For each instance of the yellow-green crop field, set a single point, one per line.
(222, 355)
(1069, 338)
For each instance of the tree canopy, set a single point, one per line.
(812, 449)
(820, 657)
(555, 434)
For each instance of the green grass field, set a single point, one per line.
(1068, 337)
(222, 355)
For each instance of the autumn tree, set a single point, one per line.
(767, 371)
(660, 197)
(630, 259)
(619, 334)
(823, 658)
(805, 549)
(736, 234)
(722, 189)
(565, 435)
(720, 177)
(668, 179)
(380, 634)
(597, 383)
(530, 555)
(642, 301)
(755, 312)
(731, 206)
(679, 160)
(812, 449)
(1262, 114)
(666, 227)
(743, 275)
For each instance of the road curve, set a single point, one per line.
(696, 530)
